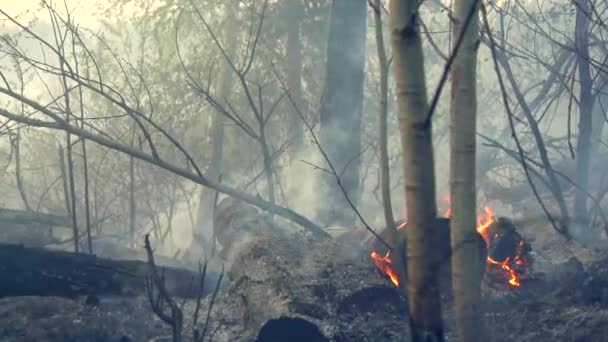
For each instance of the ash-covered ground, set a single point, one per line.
(565, 298)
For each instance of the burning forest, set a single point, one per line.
(297, 170)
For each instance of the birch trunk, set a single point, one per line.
(393, 234)
(416, 141)
(466, 265)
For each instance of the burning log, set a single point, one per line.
(503, 250)
(508, 254)
(382, 258)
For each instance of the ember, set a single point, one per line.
(507, 253)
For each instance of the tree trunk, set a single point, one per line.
(294, 79)
(466, 261)
(72, 184)
(600, 108)
(583, 145)
(87, 203)
(384, 164)
(40, 272)
(132, 203)
(416, 141)
(66, 194)
(393, 234)
(341, 109)
(294, 83)
(20, 186)
(203, 229)
(268, 171)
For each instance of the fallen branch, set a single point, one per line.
(29, 271)
(25, 217)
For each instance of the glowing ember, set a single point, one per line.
(510, 268)
(505, 266)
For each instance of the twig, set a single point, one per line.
(175, 318)
(211, 302)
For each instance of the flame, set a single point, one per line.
(482, 228)
(448, 213)
(384, 265)
(484, 222)
(514, 280)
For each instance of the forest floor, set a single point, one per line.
(565, 299)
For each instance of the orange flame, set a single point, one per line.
(484, 222)
(384, 265)
(482, 229)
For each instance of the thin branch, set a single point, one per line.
(505, 99)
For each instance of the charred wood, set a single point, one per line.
(28, 271)
(295, 288)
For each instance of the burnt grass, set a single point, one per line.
(564, 299)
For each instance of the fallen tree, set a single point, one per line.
(14, 216)
(28, 271)
(302, 288)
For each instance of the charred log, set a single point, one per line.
(235, 220)
(294, 288)
(28, 271)
(290, 329)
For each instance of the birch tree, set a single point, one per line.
(466, 261)
(418, 165)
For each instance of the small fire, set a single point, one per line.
(482, 228)
(384, 265)
(484, 222)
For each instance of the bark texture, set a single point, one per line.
(393, 235)
(305, 289)
(341, 109)
(418, 165)
(466, 261)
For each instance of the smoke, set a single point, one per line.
(302, 179)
